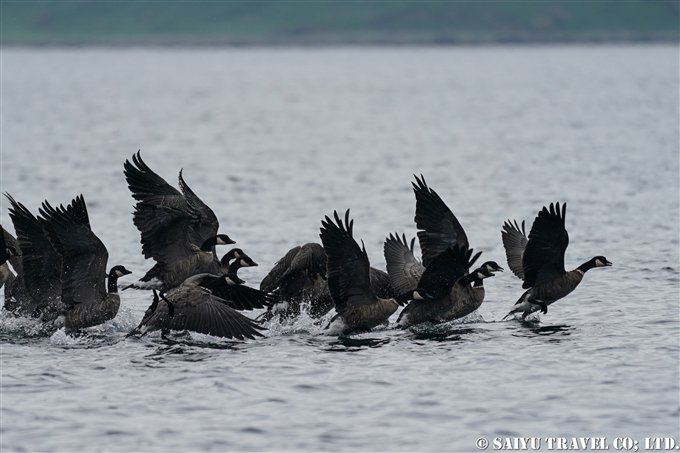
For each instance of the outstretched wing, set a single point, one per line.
(147, 186)
(41, 264)
(440, 229)
(238, 297)
(172, 224)
(197, 310)
(348, 266)
(548, 240)
(84, 256)
(449, 266)
(515, 241)
(402, 266)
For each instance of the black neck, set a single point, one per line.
(472, 279)
(112, 286)
(585, 267)
(209, 244)
(235, 266)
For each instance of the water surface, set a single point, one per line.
(274, 140)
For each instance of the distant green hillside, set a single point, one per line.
(333, 21)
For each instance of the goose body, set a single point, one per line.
(539, 260)
(357, 306)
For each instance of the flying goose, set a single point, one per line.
(539, 260)
(87, 300)
(440, 235)
(178, 230)
(193, 306)
(349, 282)
(36, 291)
(9, 254)
(299, 278)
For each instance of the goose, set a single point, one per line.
(299, 278)
(36, 291)
(178, 230)
(357, 306)
(87, 300)
(9, 254)
(445, 290)
(440, 234)
(539, 260)
(195, 307)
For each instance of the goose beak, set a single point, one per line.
(607, 263)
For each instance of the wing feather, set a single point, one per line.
(84, 256)
(439, 228)
(349, 279)
(515, 242)
(543, 258)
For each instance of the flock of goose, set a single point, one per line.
(58, 267)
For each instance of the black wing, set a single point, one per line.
(271, 281)
(548, 240)
(197, 310)
(380, 283)
(440, 229)
(238, 297)
(348, 267)
(40, 262)
(84, 256)
(172, 224)
(204, 224)
(402, 266)
(515, 241)
(147, 186)
(440, 276)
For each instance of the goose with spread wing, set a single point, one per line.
(178, 230)
(441, 238)
(88, 293)
(539, 260)
(207, 304)
(349, 282)
(447, 290)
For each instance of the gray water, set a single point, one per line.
(274, 140)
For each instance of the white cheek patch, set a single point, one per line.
(599, 263)
(119, 273)
(417, 296)
(480, 276)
